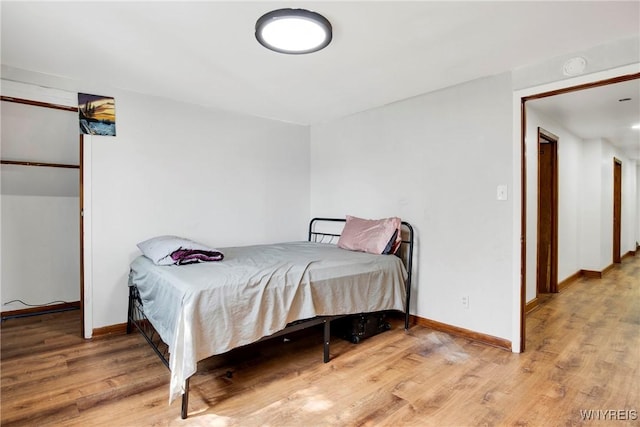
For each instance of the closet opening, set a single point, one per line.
(41, 191)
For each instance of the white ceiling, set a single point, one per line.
(598, 113)
(382, 51)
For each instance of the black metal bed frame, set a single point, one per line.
(137, 318)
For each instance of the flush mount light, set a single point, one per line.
(293, 31)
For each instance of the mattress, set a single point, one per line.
(204, 309)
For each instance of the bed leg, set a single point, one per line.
(185, 400)
(130, 310)
(327, 338)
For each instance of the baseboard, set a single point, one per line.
(531, 305)
(629, 254)
(33, 311)
(121, 329)
(591, 274)
(107, 331)
(594, 274)
(462, 332)
(569, 280)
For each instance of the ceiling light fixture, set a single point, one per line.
(293, 31)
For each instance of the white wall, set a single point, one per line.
(598, 235)
(637, 242)
(40, 250)
(435, 160)
(629, 213)
(606, 203)
(591, 201)
(569, 185)
(217, 177)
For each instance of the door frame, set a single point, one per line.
(520, 97)
(548, 139)
(617, 210)
(80, 189)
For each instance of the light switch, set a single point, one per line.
(502, 192)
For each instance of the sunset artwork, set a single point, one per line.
(97, 114)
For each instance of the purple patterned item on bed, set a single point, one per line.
(192, 256)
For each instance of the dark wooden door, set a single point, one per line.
(617, 208)
(547, 259)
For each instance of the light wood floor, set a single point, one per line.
(583, 353)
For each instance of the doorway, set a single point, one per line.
(626, 74)
(547, 247)
(617, 209)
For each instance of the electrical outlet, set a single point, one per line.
(465, 301)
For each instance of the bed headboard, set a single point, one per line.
(327, 230)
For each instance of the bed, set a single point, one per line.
(188, 313)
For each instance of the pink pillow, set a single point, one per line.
(371, 235)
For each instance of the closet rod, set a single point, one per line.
(48, 165)
(38, 103)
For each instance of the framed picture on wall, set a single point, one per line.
(97, 114)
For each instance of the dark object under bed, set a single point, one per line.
(357, 327)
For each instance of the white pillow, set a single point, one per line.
(159, 249)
